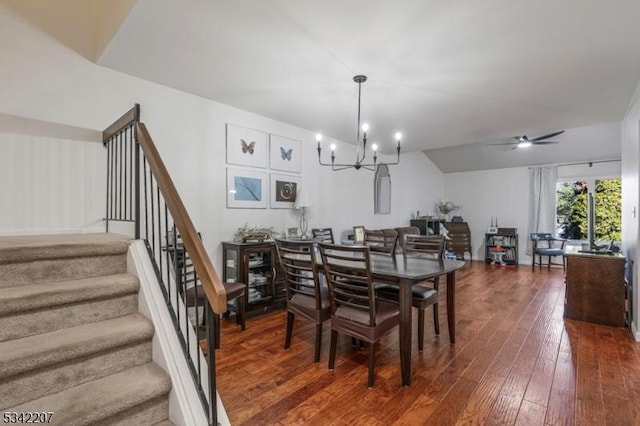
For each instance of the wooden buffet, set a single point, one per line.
(596, 289)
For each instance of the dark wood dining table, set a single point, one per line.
(405, 272)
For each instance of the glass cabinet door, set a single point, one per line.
(231, 266)
(259, 274)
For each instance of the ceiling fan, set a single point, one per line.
(524, 141)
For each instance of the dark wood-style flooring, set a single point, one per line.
(515, 361)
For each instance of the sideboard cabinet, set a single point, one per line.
(596, 289)
(256, 265)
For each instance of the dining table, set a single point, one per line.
(405, 271)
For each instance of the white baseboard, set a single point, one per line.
(185, 408)
(635, 332)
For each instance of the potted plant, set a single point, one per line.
(446, 207)
(254, 233)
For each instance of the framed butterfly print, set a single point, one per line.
(284, 190)
(285, 154)
(246, 147)
(246, 189)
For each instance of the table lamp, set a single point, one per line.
(303, 202)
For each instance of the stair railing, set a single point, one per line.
(140, 191)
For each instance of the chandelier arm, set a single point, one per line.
(338, 167)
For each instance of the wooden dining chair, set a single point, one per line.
(405, 230)
(193, 293)
(323, 235)
(355, 310)
(306, 297)
(424, 294)
(381, 240)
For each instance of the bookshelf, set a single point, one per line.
(501, 246)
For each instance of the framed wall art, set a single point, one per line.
(284, 190)
(246, 189)
(246, 147)
(285, 154)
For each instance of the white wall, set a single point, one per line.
(501, 193)
(504, 193)
(631, 196)
(50, 185)
(44, 80)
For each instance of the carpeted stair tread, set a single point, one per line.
(33, 352)
(165, 423)
(30, 248)
(96, 401)
(37, 296)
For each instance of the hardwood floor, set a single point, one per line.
(515, 362)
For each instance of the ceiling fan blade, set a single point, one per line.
(542, 142)
(503, 143)
(515, 146)
(550, 135)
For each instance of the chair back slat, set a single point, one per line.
(348, 273)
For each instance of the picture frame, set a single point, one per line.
(285, 154)
(284, 190)
(358, 235)
(292, 233)
(246, 189)
(246, 147)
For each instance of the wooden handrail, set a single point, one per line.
(211, 284)
(127, 118)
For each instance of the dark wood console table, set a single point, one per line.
(595, 289)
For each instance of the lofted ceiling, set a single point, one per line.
(454, 77)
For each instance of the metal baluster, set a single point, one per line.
(120, 139)
(137, 189)
(211, 355)
(113, 175)
(108, 175)
(126, 169)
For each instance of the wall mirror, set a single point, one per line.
(382, 190)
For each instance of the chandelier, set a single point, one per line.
(360, 161)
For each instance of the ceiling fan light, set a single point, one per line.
(524, 144)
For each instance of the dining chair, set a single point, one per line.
(324, 235)
(306, 297)
(423, 294)
(545, 244)
(381, 240)
(405, 230)
(355, 310)
(190, 286)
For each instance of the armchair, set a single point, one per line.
(545, 244)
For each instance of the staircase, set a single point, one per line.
(71, 339)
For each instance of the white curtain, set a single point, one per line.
(542, 200)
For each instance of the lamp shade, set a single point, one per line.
(302, 199)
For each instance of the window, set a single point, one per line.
(572, 213)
